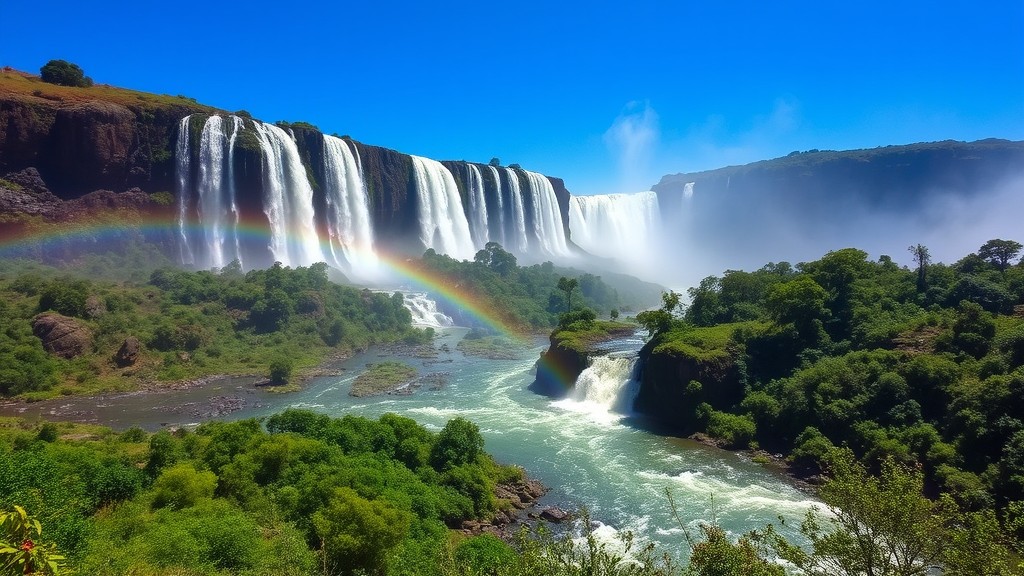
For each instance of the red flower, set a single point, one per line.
(27, 545)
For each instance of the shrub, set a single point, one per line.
(182, 486)
(64, 73)
(737, 431)
(281, 370)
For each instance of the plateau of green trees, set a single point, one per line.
(188, 325)
(920, 368)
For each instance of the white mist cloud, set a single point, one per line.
(632, 139)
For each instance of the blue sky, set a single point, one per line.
(609, 96)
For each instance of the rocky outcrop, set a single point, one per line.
(61, 335)
(24, 192)
(673, 383)
(128, 353)
(515, 498)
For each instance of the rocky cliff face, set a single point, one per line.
(82, 140)
(673, 385)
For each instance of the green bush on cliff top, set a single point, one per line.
(64, 73)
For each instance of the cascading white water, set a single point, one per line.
(348, 213)
(605, 390)
(623, 226)
(501, 205)
(443, 224)
(547, 219)
(212, 208)
(518, 232)
(477, 207)
(688, 190)
(184, 173)
(236, 127)
(287, 199)
(424, 311)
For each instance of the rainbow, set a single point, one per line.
(34, 237)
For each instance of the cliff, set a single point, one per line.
(106, 138)
(681, 370)
(570, 352)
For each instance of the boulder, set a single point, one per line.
(128, 353)
(61, 336)
(554, 514)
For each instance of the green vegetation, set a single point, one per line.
(476, 343)
(581, 335)
(189, 325)
(383, 377)
(918, 368)
(310, 495)
(64, 73)
(525, 298)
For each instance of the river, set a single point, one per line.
(587, 448)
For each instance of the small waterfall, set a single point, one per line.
(287, 199)
(501, 205)
(623, 226)
(518, 233)
(348, 215)
(443, 224)
(547, 219)
(605, 390)
(477, 208)
(183, 169)
(688, 189)
(424, 311)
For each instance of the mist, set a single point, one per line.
(705, 236)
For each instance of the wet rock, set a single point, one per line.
(554, 514)
(61, 336)
(128, 353)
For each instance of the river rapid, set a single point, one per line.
(587, 447)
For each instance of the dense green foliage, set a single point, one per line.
(526, 297)
(923, 367)
(350, 494)
(190, 324)
(64, 73)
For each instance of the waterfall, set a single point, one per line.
(348, 214)
(213, 200)
(477, 208)
(443, 224)
(501, 206)
(622, 226)
(424, 311)
(605, 390)
(212, 208)
(547, 219)
(688, 189)
(183, 170)
(287, 199)
(518, 239)
(236, 127)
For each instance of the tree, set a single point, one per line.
(281, 370)
(614, 314)
(1000, 252)
(923, 259)
(64, 73)
(495, 162)
(567, 285)
(458, 443)
(884, 526)
(357, 533)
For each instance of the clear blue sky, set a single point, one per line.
(609, 96)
